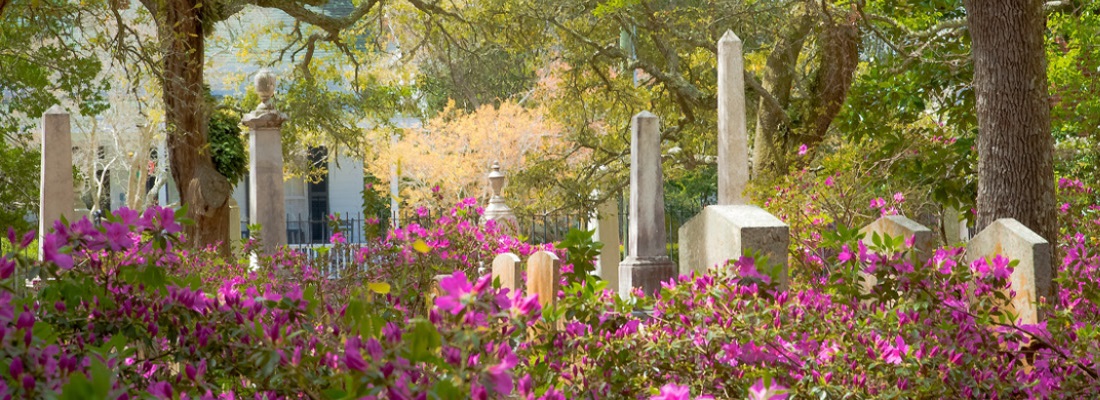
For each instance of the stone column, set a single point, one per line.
(234, 222)
(733, 142)
(265, 166)
(607, 232)
(56, 185)
(647, 263)
(498, 210)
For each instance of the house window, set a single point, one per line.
(317, 194)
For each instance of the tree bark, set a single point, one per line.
(768, 154)
(838, 49)
(202, 189)
(1015, 146)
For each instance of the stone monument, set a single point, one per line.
(732, 228)
(265, 177)
(498, 210)
(607, 232)
(1031, 278)
(647, 263)
(733, 138)
(900, 226)
(56, 184)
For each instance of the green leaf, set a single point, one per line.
(423, 341)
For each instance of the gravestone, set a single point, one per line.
(607, 232)
(508, 269)
(647, 263)
(730, 229)
(56, 184)
(544, 276)
(265, 177)
(1031, 278)
(899, 226)
(733, 139)
(951, 227)
(726, 232)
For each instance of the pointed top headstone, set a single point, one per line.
(729, 36)
(56, 109)
(644, 115)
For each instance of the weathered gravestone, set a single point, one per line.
(544, 277)
(727, 232)
(899, 226)
(1031, 278)
(730, 229)
(56, 184)
(508, 269)
(607, 232)
(647, 263)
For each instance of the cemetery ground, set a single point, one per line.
(887, 200)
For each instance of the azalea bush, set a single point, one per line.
(123, 310)
(936, 330)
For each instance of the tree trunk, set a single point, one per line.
(202, 189)
(769, 157)
(1015, 146)
(838, 50)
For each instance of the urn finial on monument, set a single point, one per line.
(265, 115)
(498, 210)
(265, 87)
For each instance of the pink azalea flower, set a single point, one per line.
(51, 251)
(457, 288)
(118, 236)
(672, 391)
(7, 267)
(802, 150)
(1001, 270)
(893, 354)
(353, 359)
(338, 238)
(767, 391)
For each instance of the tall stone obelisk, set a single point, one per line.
(647, 263)
(733, 138)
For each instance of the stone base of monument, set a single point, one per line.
(646, 273)
(722, 233)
